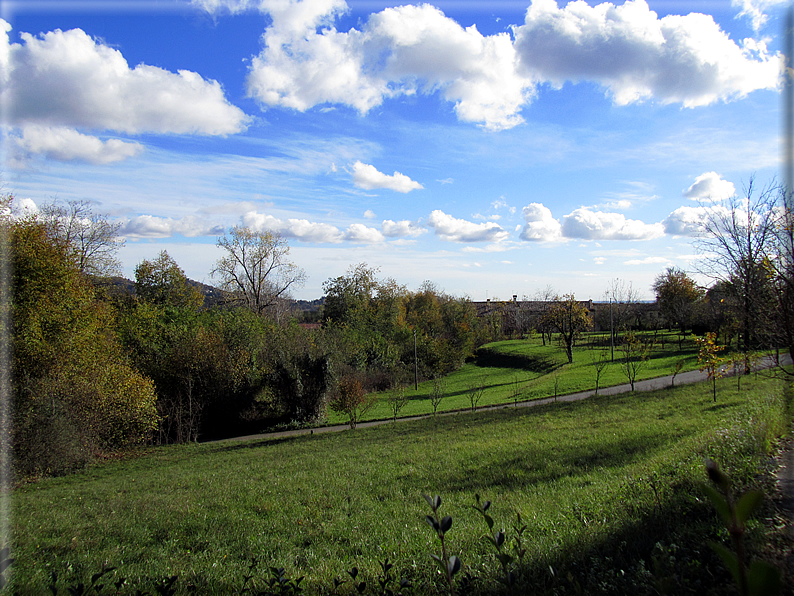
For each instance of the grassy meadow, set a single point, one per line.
(606, 488)
(525, 369)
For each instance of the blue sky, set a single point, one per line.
(495, 148)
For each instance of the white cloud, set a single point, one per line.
(66, 144)
(404, 50)
(398, 51)
(756, 10)
(400, 229)
(300, 229)
(68, 79)
(360, 233)
(541, 225)
(368, 177)
(369, 214)
(648, 261)
(149, 226)
(446, 181)
(20, 208)
(637, 56)
(599, 260)
(459, 230)
(688, 221)
(710, 187)
(597, 225)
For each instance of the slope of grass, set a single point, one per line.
(526, 369)
(586, 477)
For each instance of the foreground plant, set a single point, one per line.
(497, 540)
(761, 578)
(449, 565)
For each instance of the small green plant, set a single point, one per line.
(600, 359)
(437, 393)
(635, 357)
(475, 391)
(396, 400)
(761, 578)
(674, 372)
(708, 359)
(497, 540)
(449, 565)
(516, 393)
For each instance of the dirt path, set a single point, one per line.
(684, 378)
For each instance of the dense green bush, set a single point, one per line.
(75, 395)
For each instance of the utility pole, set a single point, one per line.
(416, 366)
(611, 330)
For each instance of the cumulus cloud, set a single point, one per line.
(368, 177)
(541, 225)
(597, 225)
(300, 229)
(68, 79)
(402, 228)
(66, 144)
(360, 233)
(149, 226)
(688, 221)
(684, 59)
(710, 187)
(369, 214)
(404, 50)
(453, 229)
(398, 51)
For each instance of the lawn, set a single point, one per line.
(598, 483)
(525, 369)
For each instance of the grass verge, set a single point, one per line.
(606, 488)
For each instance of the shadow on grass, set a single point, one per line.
(491, 359)
(659, 551)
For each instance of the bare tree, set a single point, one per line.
(256, 269)
(737, 238)
(89, 237)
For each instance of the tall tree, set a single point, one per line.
(74, 393)
(256, 269)
(677, 294)
(736, 239)
(89, 238)
(569, 318)
(164, 283)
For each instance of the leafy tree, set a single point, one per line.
(75, 394)
(351, 399)
(677, 294)
(569, 318)
(88, 237)
(256, 269)
(163, 282)
(349, 297)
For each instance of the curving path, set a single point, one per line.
(683, 378)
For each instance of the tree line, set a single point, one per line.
(96, 370)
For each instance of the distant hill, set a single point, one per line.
(121, 286)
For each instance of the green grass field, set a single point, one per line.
(599, 483)
(529, 369)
